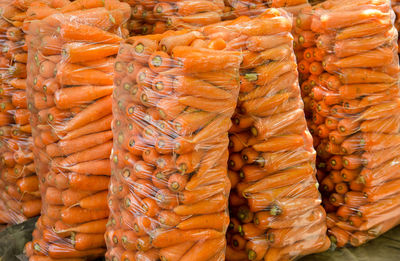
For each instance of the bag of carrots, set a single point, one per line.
(174, 97)
(72, 49)
(356, 107)
(19, 196)
(274, 202)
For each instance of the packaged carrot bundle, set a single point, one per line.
(356, 108)
(19, 196)
(72, 50)
(174, 97)
(274, 203)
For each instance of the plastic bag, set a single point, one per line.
(356, 104)
(174, 97)
(19, 196)
(72, 50)
(274, 204)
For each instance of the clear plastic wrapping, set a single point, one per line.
(72, 50)
(356, 118)
(274, 202)
(174, 97)
(19, 196)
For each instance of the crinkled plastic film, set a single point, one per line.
(356, 113)
(19, 196)
(72, 50)
(174, 97)
(274, 202)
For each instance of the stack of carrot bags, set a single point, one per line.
(19, 197)
(356, 108)
(72, 47)
(174, 97)
(274, 203)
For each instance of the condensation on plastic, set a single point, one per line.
(356, 118)
(72, 49)
(175, 94)
(19, 196)
(274, 202)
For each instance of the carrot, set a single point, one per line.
(93, 112)
(349, 18)
(78, 181)
(375, 58)
(73, 74)
(190, 197)
(204, 250)
(215, 221)
(359, 75)
(31, 208)
(74, 96)
(175, 252)
(238, 242)
(380, 192)
(98, 167)
(280, 179)
(188, 123)
(363, 29)
(351, 47)
(184, 84)
(79, 52)
(172, 237)
(28, 184)
(216, 60)
(76, 215)
(338, 236)
(377, 141)
(96, 201)
(82, 241)
(62, 250)
(275, 143)
(215, 204)
(284, 237)
(92, 227)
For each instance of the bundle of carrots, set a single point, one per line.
(19, 197)
(274, 202)
(356, 109)
(174, 97)
(72, 50)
